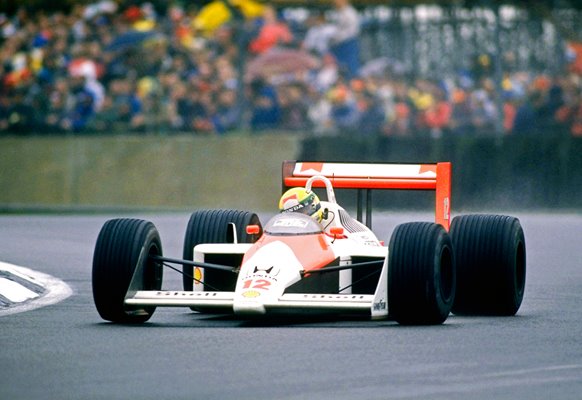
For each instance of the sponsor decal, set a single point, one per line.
(447, 209)
(251, 294)
(268, 270)
(379, 306)
(291, 223)
(197, 276)
(311, 167)
(427, 169)
(272, 271)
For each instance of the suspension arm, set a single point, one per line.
(195, 263)
(343, 267)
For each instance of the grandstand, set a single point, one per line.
(426, 68)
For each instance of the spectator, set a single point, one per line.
(228, 113)
(293, 108)
(525, 118)
(399, 109)
(319, 35)
(345, 44)
(106, 119)
(372, 116)
(484, 112)
(319, 113)
(60, 100)
(509, 113)
(266, 112)
(461, 120)
(272, 33)
(569, 116)
(127, 104)
(327, 75)
(193, 112)
(576, 125)
(83, 107)
(438, 115)
(344, 112)
(421, 97)
(552, 98)
(19, 114)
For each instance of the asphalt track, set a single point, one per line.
(64, 350)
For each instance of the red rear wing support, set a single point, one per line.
(370, 176)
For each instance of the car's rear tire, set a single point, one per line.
(421, 274)
(123, 245)
(491, 264)
(212, 226)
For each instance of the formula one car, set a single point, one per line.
(295, 264)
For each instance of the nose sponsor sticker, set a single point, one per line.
(250, 294)
(197, 276)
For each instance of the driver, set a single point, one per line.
(299, 199)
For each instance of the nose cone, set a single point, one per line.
(264, 277)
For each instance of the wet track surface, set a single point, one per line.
(65, 351)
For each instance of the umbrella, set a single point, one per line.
(379, 66)
(278, 61)
(375, 67)
(130, 39)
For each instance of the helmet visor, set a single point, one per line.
(307, 206)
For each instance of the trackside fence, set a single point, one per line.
(488, 172)
(244, 171)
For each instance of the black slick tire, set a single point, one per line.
(491, 264)
(123, 245)
(214, 226)
(421, 274)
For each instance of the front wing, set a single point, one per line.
(290, 302)
(371, 305)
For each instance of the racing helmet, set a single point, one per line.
(300, 200)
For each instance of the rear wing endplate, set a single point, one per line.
(366, 177)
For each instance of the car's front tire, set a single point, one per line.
(124, 246)
(213, 226)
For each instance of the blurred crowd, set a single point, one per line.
(115, 66)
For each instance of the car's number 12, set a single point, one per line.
(257, 284)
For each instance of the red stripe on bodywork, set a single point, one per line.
(312, 251)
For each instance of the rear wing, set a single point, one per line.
(366, 177)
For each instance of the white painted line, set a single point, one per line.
(529, 371)
(55, 289)
(15, 292)
(21, 272)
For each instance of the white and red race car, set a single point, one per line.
(475, 265)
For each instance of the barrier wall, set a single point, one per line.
(143, 172)
(508, 172)
(185, 172)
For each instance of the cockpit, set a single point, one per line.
(290, 224)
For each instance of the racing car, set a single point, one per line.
(334, 264)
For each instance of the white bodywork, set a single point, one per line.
(272, 265)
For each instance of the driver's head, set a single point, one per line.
(302, 201)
